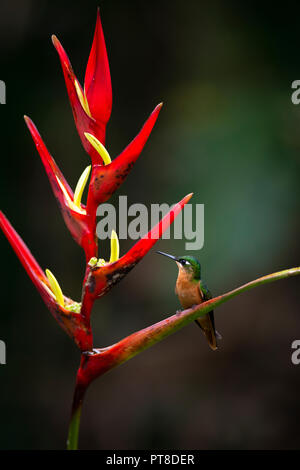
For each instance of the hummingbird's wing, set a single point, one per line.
(205, 292)
(207, 323)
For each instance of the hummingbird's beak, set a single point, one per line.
(166, 254)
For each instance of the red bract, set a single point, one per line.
(91, 105)
(76, 218)
(72, 323)
(97, 82)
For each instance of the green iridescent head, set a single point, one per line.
(188, 263)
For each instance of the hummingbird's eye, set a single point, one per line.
(184, 262)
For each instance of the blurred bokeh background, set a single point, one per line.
(228, 132)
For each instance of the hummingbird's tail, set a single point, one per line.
(207, 325)
(211, 338)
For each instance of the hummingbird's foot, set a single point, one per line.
(178, 311)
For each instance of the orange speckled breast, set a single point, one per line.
(187, 290)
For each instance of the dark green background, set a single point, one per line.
(229, 133)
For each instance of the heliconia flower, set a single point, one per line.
(91, 105)
(101, 276)
(73, 211)
(65, 311)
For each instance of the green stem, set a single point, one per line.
(74, 426)
(72, 443)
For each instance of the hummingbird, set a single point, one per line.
(192, 290)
